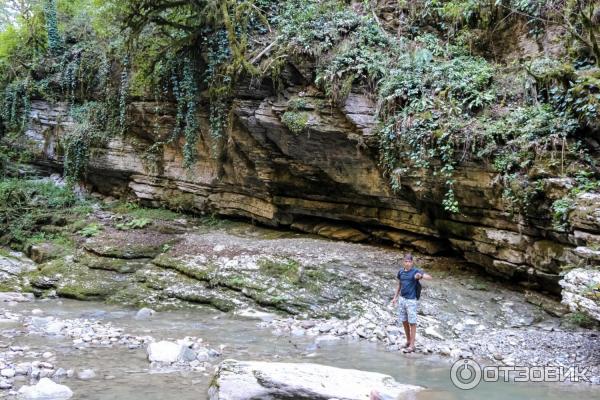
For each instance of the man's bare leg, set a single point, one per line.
(413, 335)
(407, 333)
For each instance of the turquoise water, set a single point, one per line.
(130, 377)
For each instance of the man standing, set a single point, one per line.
(408, 289)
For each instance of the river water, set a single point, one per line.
(130, 377)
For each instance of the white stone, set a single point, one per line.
(144, 313)
(241, 380)
(45, 389)
(430, 331)
(11, 297)
(86, 374)
(7, 372)
(55, 327)
(163, 351)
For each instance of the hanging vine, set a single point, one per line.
(123, 94)
(189, 94)
(16, 105)
(55, 44)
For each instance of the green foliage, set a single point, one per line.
(426, 103)
(26, 204)
(55, 44)
(295, 121)
(312, 27)
(16, 105)
(11, 158)
(142, 213)
(137, 223)
(94, 124)
(123, 93)
(582, 320)
(363, 58)
(584, 182)
(286, 269)
(560, 212)
(91, 230)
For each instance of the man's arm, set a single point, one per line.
(395, 299)
(422, 276)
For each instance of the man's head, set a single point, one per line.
(407, 261)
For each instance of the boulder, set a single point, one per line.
(144, 313)
(45, 389)
(14, 263)
(170, 352)
(8, 297)
(86, 374)
(42, 252)
(164, 351)
(581, 291)
(240, 380)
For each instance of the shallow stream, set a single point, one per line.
(122, 373)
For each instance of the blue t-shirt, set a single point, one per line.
(408, 283)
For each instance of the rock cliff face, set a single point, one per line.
(325, 179)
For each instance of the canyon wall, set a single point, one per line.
(326, 180)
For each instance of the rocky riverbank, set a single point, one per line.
(302, 286)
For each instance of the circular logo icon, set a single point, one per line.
(465, 374)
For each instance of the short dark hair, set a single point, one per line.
(408, 257)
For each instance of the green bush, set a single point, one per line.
(312, 27)
(26, 205)
(295, 121)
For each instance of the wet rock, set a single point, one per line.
(163, 351)
(7, 372)
(202, 354)
(325, 339)
(144, 313)
(252, 313)
(7, 297)
(86, 374)
(186, 354)
(22, 368)
(59, 373)
(240, 380)
(45, 389)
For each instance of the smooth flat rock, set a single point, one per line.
(245, 380)
(7, 297)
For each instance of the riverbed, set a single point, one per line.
(123, 373)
